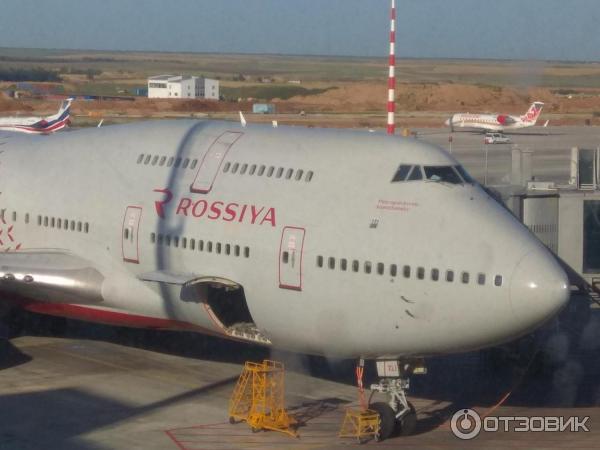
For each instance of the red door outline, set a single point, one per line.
(134, 214)
(227, 139)
(284, 283)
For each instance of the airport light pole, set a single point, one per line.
(391, 109)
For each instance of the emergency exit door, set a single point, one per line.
(130, 234)
(211, 163)
(290, 258)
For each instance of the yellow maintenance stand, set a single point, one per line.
(259, 398)
(361, 423)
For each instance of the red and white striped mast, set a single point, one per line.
(391, 105)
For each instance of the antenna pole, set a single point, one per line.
(391, 104)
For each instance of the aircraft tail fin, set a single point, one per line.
(533, 114)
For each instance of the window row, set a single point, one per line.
(199, 244)
(394, 270)
(445, 174)
(51, 222)
(268, 171)
(172, 161)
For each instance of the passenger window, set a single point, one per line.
(153, 238)
(331, 263)
(154, 160)
(416, 174)
(160, 239)
(218, 248)
(481, 279)
(406, 271)
(14, 216)
(226, 167)
(319, 261)
(185, 163)
(401, 173)
(309, 176)
(147, 160)
(170, 161)
(45, 221)
(285, 257)
(177, 162)
(209, 246)
(393, 270)
(27, 218)
(380, 268)
(252, 169)
(66, 224)
(183, 242)
(192, 244)
(168, 240)
(279, 172)
(498, 280)
(235, 168)
(243, 169)
(299, 175)
(162, 161)
(465, 277)
(228, 249)
(140, 158)
(39, 221)
(72, 225)
(270, 171)
(368, 266)
(421, 273)
(344, 264)
(355, 266)
(200, 245)
(52, 222)
(126, 234)
(435, 274)
(194, 164)
(450, 276)
(246, 252)
(86, 228)
(261, 170)
(289, 174)
(237, 250)
(175, 241)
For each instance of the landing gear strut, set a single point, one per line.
(398, 415)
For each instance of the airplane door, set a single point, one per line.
(211, 162)
(290, 258)
(130, 234)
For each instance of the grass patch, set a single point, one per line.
(283, 92)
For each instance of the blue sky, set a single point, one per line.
(521, 29)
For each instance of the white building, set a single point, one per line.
(172, 86)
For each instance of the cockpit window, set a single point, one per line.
(401, 174)
(464, 174)
(416, 174)
(443, 174)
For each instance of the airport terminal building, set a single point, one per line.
(185, 87)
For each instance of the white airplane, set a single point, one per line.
(496, 122)
(329, 242)
(39, 125)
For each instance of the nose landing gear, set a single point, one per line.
(398, 416)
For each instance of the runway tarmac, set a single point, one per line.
(551, 149)
(109, 388)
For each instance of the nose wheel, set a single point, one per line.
(398, 416)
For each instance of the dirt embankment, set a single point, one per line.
(428, 101)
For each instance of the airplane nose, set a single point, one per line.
(539, 289)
